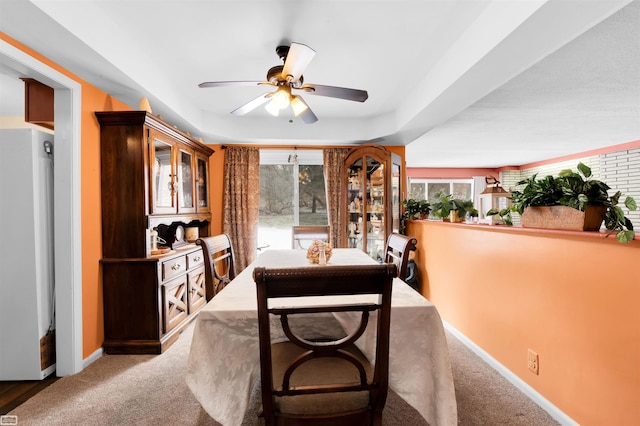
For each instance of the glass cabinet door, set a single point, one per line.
(162, 177)
(396, 190)
(376, 211)
(202, 184)
(186, 200)
(367, 206)
(355, 205)
(374, 190)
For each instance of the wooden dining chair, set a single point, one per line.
(303, 236)
(328, 381)
(219, 266)
(397, 251)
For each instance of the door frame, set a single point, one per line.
(67, 211)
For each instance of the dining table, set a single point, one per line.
(224, 359)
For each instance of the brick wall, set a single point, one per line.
(620, 170)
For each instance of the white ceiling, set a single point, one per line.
(461, 83)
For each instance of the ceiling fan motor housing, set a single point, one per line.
(282, 52)
(275, 77)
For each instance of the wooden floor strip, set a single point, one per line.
(14, 393)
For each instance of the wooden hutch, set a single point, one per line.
(154, 177)
(372, 200)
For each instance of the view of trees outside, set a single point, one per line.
(459, 189)
(276, 190)
(283, 205)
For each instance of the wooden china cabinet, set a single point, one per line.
(153, 178)
(372, 199)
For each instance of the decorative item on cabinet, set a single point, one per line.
(373, 177)
(144, 105)
(154, 178)
(192, 233)
(179, 234)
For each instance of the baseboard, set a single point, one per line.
(523, 386)
(48, 371)
(91, 358)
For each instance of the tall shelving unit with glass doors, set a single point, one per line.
(372, 200)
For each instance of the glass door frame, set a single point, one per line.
(153, 186)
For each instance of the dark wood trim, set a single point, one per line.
(152, 121)
(15, 392)
(38, 103)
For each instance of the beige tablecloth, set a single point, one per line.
(224, 362)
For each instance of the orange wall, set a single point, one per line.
(93, 100)
(571, 297)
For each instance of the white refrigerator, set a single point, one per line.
(26, 255)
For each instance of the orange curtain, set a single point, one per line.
(334, 159)
(241, 197)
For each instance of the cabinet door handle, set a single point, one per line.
(176, 266)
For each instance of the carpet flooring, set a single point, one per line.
(150, 390)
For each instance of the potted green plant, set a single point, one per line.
(413, 210)
(504, 214)
(575, 193)
(464, 208)
(416, 209)
(452, 209)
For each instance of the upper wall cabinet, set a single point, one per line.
(172, 175)
(38, 103)
(152, 174)
(372, 199)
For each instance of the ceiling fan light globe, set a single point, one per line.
(281, 99)
(272, 109)
(298, 106)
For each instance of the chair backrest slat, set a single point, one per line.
(219, 262)
(303, 236)
(397, 251)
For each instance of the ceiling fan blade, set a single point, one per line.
(298, 58)
(336, 92)
(308, 116)
(251, 105)
(231, 83)
(302, 110)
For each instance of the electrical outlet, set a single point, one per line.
(533, 362)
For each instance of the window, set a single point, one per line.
(426, 189)
(292, 192)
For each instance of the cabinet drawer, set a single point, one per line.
(173, 267)
(194, 259)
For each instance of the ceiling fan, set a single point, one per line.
(287, 78)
